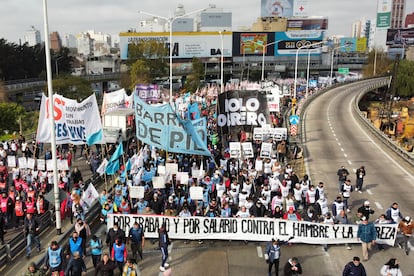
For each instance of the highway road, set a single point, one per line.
(333, 137)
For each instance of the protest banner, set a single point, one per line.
(172, 168)
(30, 163)
(241, 110)
(115, 100)
(182, 177)
(158, 182)
(11, 161)
(196, 193)
(247, 150)
(235, 150)
(41, 164)
(266, 150)
(159, 126)
(250, 229)
(76, 123)
(161, 170)
(148, 92)
(136, 191)
(62, 164)
(22, 162)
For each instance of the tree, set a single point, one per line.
(3, 93)
(72, 87)
(383, 64)
(405, 79)
(147, 60)
(197, 74)
(10, 114)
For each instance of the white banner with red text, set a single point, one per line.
(249, 229)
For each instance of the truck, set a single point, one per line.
(119, 123)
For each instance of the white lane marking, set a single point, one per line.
(346, 155)
(369, 192)
(339, 144)
(334, 135)
(259, 252)
(342, 149)
(349, 162)
(379, 206)
(373, 142)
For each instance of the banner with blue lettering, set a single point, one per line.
(250, 229)
(75, 122)
(160, 127)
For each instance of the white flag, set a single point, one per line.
(102, 167)
(90, 195)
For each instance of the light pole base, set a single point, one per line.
(58, 231)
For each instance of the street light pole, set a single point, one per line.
(222, 64)
(332, 59)
(264, 53)
(307, 76)
(56, 65)
(296, 68)
(170, 21)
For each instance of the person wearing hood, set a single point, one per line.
(405, 228)
(366, 210)
(391, 268)
(33, 271)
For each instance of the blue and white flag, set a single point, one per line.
(113, 164)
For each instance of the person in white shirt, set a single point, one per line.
(391, 268)
(243, 213)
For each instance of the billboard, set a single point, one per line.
(185, 44)
(400, 37)
(353, 44)
(301, 8)
(290, 41)
(245, 44)
(278, 8)
(215, 19)
(384, 14)
(307, 24)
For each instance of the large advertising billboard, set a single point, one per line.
(353, 44)
(185, 44)
(290, 41)
(294, 24)
(252, 43)
(384, 14)
(400, 37)
(278, 8)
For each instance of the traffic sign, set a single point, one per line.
(293, 130)
(343, 71)
(294, 119)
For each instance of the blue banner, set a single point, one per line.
(160, 127)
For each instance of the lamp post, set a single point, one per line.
(296, 68)
(56, 65)
(264, 53)
(170, 21)
(222, 64)
(332, 59)
(307, 76)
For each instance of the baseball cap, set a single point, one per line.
(363, 218)
(366, 202)
(407, 218)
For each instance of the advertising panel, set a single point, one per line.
(400, 37)
(215, 19)
(301, 8)
(307, 24)
(278, 8)
(252, 43)
(185, 44)
(293, 40)
(353, 44)
(384, 14)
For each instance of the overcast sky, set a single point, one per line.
(109, 16)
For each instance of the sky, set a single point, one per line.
(113, 17)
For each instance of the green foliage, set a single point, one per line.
(405, 79)
(147, 60)
(383, 64)
(197, 74)
(72, 87)
(23, 61)
(10, 114)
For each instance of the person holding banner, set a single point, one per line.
(273, 253)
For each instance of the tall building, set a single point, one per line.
(55, 42)
(409, 21)
(358, 28)
(32, 36)
(84, 44)
(397, 14)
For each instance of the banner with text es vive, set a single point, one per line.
(250, 229)
(160, 127)
(242, 110)
(74, 122)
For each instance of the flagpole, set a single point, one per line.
(51, 119)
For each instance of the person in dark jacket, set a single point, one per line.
(163, 241)
(114, 234)
(273, 254)
(366, 210)
(76, 266)
(354, 268)
(105, 267)
(32, 231)
(367, 235)
(292, 267)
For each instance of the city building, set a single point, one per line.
(84, 44)
(69, 41)
(409, 20)
(397, 14)
(269, 24)
(214, 19)
(55, 42)
(32, 36)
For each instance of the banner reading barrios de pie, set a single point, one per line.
(250, 229)
(76, 123)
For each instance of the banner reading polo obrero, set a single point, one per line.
(250, 229)
(159, 126)
(76, 123)
(242, 110)
(116, 100)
